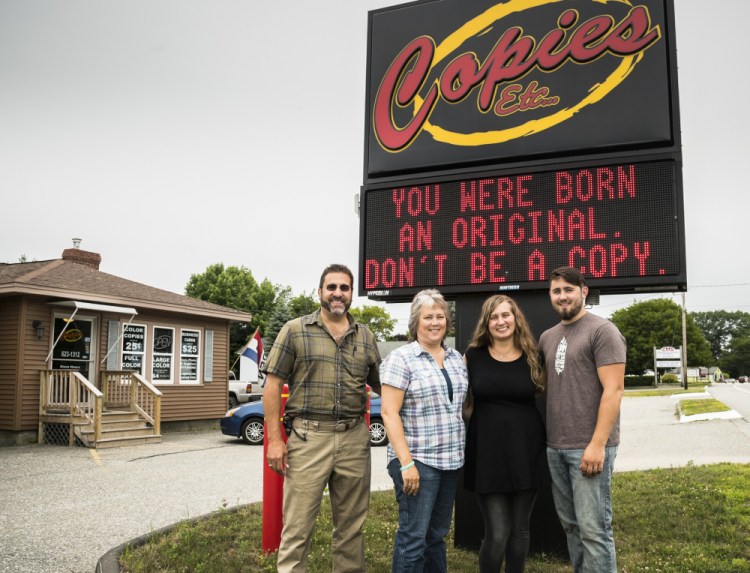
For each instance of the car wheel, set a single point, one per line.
(252, 431)
(233, 401)
(378, 436)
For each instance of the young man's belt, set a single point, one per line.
(324, 425)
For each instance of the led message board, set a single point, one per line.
(503, 105)
(618, 223)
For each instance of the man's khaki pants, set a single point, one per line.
(340, 460)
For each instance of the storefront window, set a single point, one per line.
(163, 354)
(189, 356)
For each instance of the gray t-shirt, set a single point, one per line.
(572, 353)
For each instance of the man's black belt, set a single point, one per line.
(325, 425)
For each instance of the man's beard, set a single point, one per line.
(326, 304)
(571, 311)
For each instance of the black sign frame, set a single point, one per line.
(652, 134)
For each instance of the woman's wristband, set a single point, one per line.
(407, 466)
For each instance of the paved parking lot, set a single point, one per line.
(61, 509)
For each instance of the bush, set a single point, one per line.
(632, 381)
(669, 379)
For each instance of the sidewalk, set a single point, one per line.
(61, 509)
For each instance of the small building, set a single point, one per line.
(74, 339)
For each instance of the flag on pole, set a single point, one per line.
(253, 349)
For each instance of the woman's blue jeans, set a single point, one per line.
(424, 520)
(584, 506)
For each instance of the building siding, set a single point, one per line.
(19, 394)
(9, 353)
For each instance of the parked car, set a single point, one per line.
(241, 391)
(742, 379)
(246, 422)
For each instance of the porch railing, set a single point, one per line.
(69, 393)
(126, 389)
(68, 397)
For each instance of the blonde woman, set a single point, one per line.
(506, 446)
(423, 389)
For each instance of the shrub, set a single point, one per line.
(669, 379)
(632, 381)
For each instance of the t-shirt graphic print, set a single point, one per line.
(560, 356)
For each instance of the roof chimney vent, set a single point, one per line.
(81, 257)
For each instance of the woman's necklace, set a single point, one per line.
(506, 356)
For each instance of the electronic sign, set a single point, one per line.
(618, 223)
(506, 139)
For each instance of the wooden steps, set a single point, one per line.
(119, 428)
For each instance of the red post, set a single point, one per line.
(273, 492)
(368, 389)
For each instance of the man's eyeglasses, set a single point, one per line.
(342, 288)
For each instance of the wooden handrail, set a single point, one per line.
(153, 414)
(89, 386)
(154, 390)
(69, 391)
(130, 389)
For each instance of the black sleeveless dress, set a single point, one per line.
(506, 442)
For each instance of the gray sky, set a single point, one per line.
(173, 134)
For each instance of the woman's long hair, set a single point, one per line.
(522, 336)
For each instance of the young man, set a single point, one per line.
(584, 357)
(327, 358)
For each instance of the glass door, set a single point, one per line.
(76, 347)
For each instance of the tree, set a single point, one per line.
(232, 287)
(265, 299)
(376, 319)
(658, 323)
(720, 327)
(280, 316)
(235, 287)
(303, 304)
(736, 359)
(286, 309)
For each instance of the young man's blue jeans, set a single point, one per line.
(584, 506)
(424, 520)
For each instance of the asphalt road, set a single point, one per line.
(736, 396)
(61, 509)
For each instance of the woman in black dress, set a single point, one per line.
(506, 445)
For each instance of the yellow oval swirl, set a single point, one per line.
(481, 22)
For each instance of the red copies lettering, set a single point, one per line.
(512, 57)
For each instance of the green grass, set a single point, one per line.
(701, 406)
(694, 519)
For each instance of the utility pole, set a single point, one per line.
(684, 346)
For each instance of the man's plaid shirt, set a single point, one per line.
(326, 381)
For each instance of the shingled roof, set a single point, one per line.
(67, 280)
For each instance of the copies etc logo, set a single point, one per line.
(421, 78)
